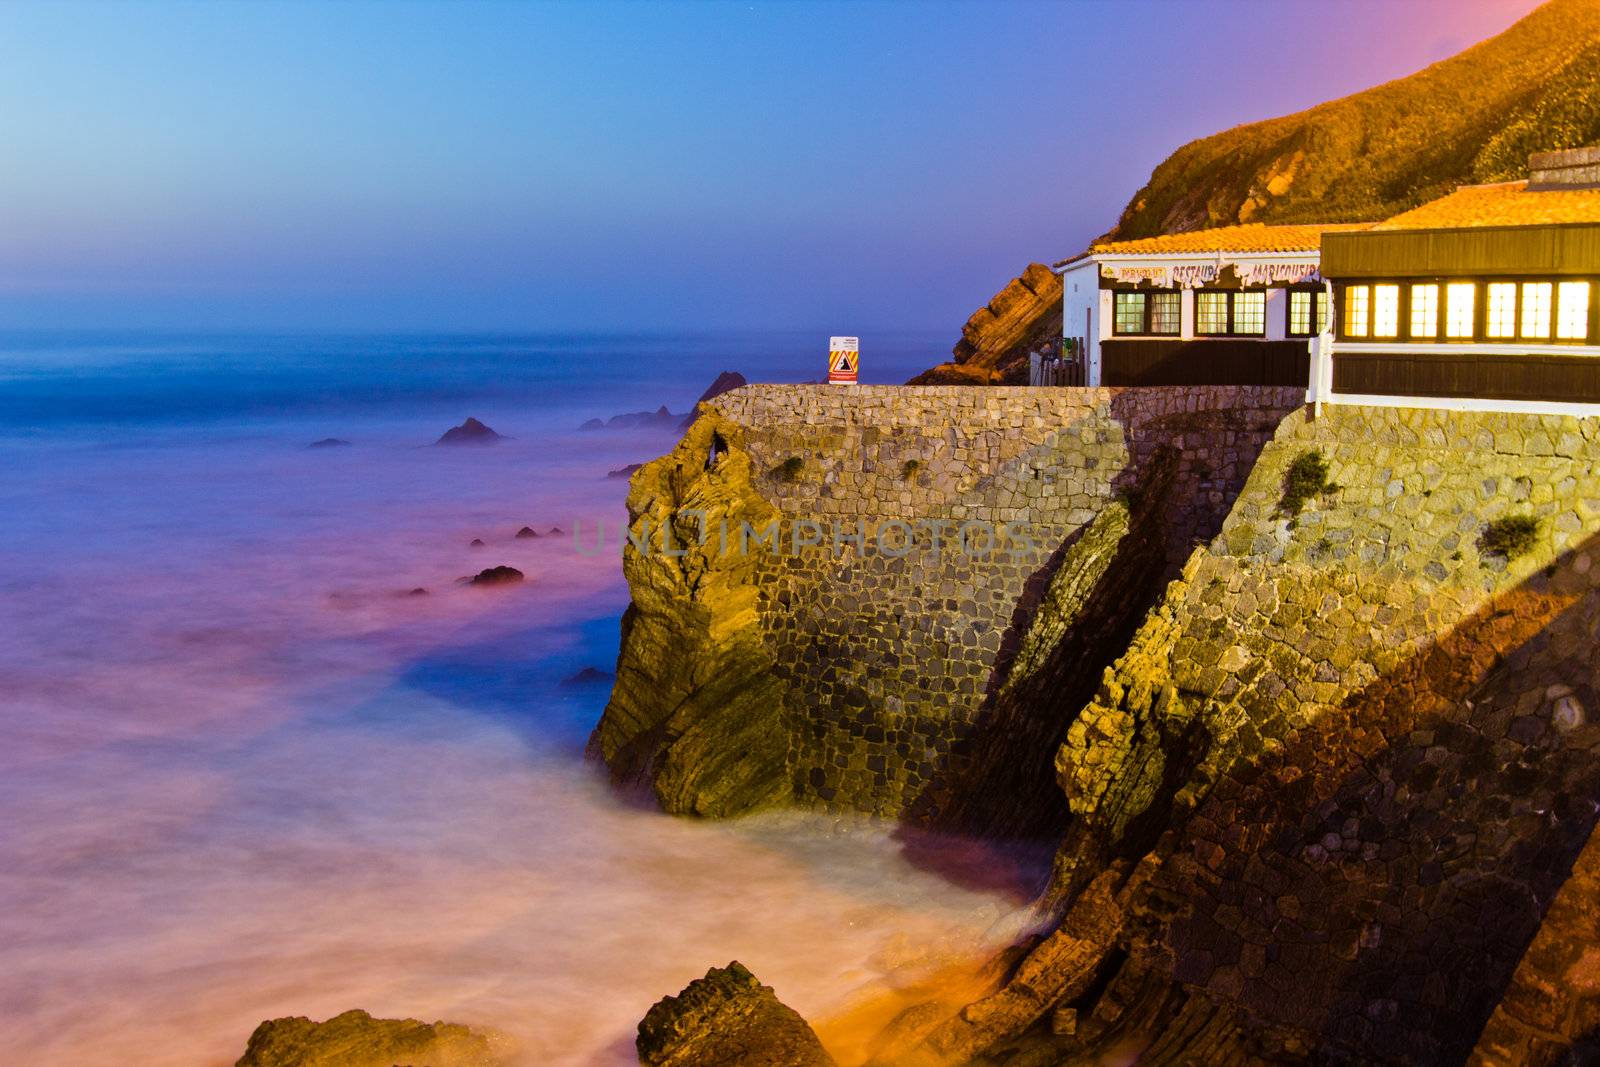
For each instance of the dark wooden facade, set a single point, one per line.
(1469, 373)
(1209, 361)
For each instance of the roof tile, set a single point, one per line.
(1250, 237)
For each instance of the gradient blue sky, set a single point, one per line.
(839, 166)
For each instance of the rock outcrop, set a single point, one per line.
(471, 432)
(728, 1019)
(356, 1039)
(995, 342)
(501, 575)
(725, 382)
(696, 709)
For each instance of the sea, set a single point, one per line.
(246, 772)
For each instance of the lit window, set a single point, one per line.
(1129, 312)
(1502, 321)
(1459, 298)
(1355, 310)
(1424, 311)
(1250, 312)
(1301, 301)
(1385, 311)
(1166, 314)
(1572, 311)
(1210, 312)
(1536, 309)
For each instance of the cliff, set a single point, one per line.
(1474, 117)
(1320, 784)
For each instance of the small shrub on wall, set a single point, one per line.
(1306, 478)
(1509, 536)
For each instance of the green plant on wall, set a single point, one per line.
(910, 469)
(1509, 536)
(789, 470)
(1306, 478)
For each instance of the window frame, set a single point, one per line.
(1318, 294)
(1231, 302)
(1148, 315)
(1480, 310)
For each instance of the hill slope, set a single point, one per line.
(1470, 118)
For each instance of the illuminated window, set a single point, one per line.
(1129, 312)
(1385, 311)
(1459, 300)
(1572, 311)
(1166, 314)
(1146, 313)
(1250, 312)
(1210, 312)
(1424, 311)
(1502, 320)
(1355, 310)
(1301, 302)
(1536, 309)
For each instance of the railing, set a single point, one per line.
(1052, 369)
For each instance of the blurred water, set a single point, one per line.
(243, 775)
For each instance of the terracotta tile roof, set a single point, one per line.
(1503, 204)
(1251, 237)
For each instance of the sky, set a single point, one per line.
(620, 166)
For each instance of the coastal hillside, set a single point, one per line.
(1474, 117)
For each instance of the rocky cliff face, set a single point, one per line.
(1325, 803)
(728, 1019)
(1023, 317)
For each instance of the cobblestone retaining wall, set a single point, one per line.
(888, 660)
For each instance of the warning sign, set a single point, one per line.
(844, 360)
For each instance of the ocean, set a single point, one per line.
(246, 773)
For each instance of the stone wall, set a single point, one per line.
(1342, 770)
(887, 659)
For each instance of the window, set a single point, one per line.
(1536, 309)
(1210, 312)
(1146, 312)
(1572, 311)
(1301, 301)
(1241, 312)
(1386, 311)
(1166, 312)
(1250, 312)
(1459, 298)
(1355, 310)
(1129, 313)
(1502, 320)
(1425, 310)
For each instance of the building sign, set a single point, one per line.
(1277, 273)
(844, 360)
(1162, 275)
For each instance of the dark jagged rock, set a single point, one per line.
(476, 542)
(726, 381)
(593, 424)
(727, 1019)
(418, 591)
(526, 532)
(624, 472)
(635, 420)
(356, 1039)
(471, 432)
(330, 442)
(589, 676)
(501, 575)
(555, 531)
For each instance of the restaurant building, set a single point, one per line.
(1484, 299)
(1234, 305)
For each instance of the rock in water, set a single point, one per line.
(527, 532)
(727, 381)
(330, 442)
(356, 1039)
(471, 432)
(727, 1019)
(624, 472)
(476, 542)
(593, 424)
(501, 575)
